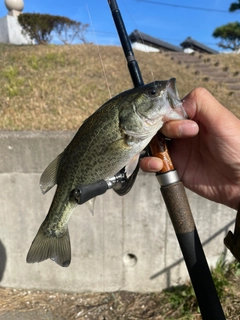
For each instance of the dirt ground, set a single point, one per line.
(174, 303)
(18, 304)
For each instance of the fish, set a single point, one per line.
(111, 139)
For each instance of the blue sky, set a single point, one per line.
(164, 20)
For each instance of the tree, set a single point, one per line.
(229, 33)
(37, 26)
(40, 27)
(230, 36)
(234, 6)
(67, 30)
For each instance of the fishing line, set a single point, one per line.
(103, 246)
(99, 53)
(147, 51)
(110, 96)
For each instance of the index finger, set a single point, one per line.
(202, 108)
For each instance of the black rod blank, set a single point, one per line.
(126, 45)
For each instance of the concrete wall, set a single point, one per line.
(129, 244)
(11, 31)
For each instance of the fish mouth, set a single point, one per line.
(176, 112)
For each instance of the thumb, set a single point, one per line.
(203, 108)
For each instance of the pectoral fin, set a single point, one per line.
(132, 164)
(49, 176)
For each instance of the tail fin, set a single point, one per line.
(44, 247)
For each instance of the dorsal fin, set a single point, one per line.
(49, 176)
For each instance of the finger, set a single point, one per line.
(180, 129)
(202, 107)
(151, 164)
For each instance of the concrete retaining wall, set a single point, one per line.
(129, 244)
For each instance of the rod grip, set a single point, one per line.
(232, 240)
(178, 207)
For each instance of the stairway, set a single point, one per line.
(209, 67)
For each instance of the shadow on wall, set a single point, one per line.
(168, 270)
(3, 259)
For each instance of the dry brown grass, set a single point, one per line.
(113, 305)
(57, 87)
(173, 303)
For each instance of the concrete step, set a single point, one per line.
(226, 80)
(208, 69)
(191, 61)
(181, 56)
(186, 59)
(211, 74)
(234, 87)
(173, 54)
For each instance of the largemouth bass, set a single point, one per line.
(110, 139)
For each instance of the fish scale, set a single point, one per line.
(109, 140)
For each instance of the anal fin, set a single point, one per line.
(91, 204)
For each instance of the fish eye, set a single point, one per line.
(152, 92)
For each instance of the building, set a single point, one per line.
(190, 45)
(144, 42)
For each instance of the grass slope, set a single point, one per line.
(57, 87)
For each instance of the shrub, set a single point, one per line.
(40, 27)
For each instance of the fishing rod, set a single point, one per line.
(175, 198)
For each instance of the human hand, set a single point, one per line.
(207, 157)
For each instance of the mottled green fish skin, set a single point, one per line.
(105, 143)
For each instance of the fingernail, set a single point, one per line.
(189, 128)
(155, 164)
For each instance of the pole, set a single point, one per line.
(176, 200)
